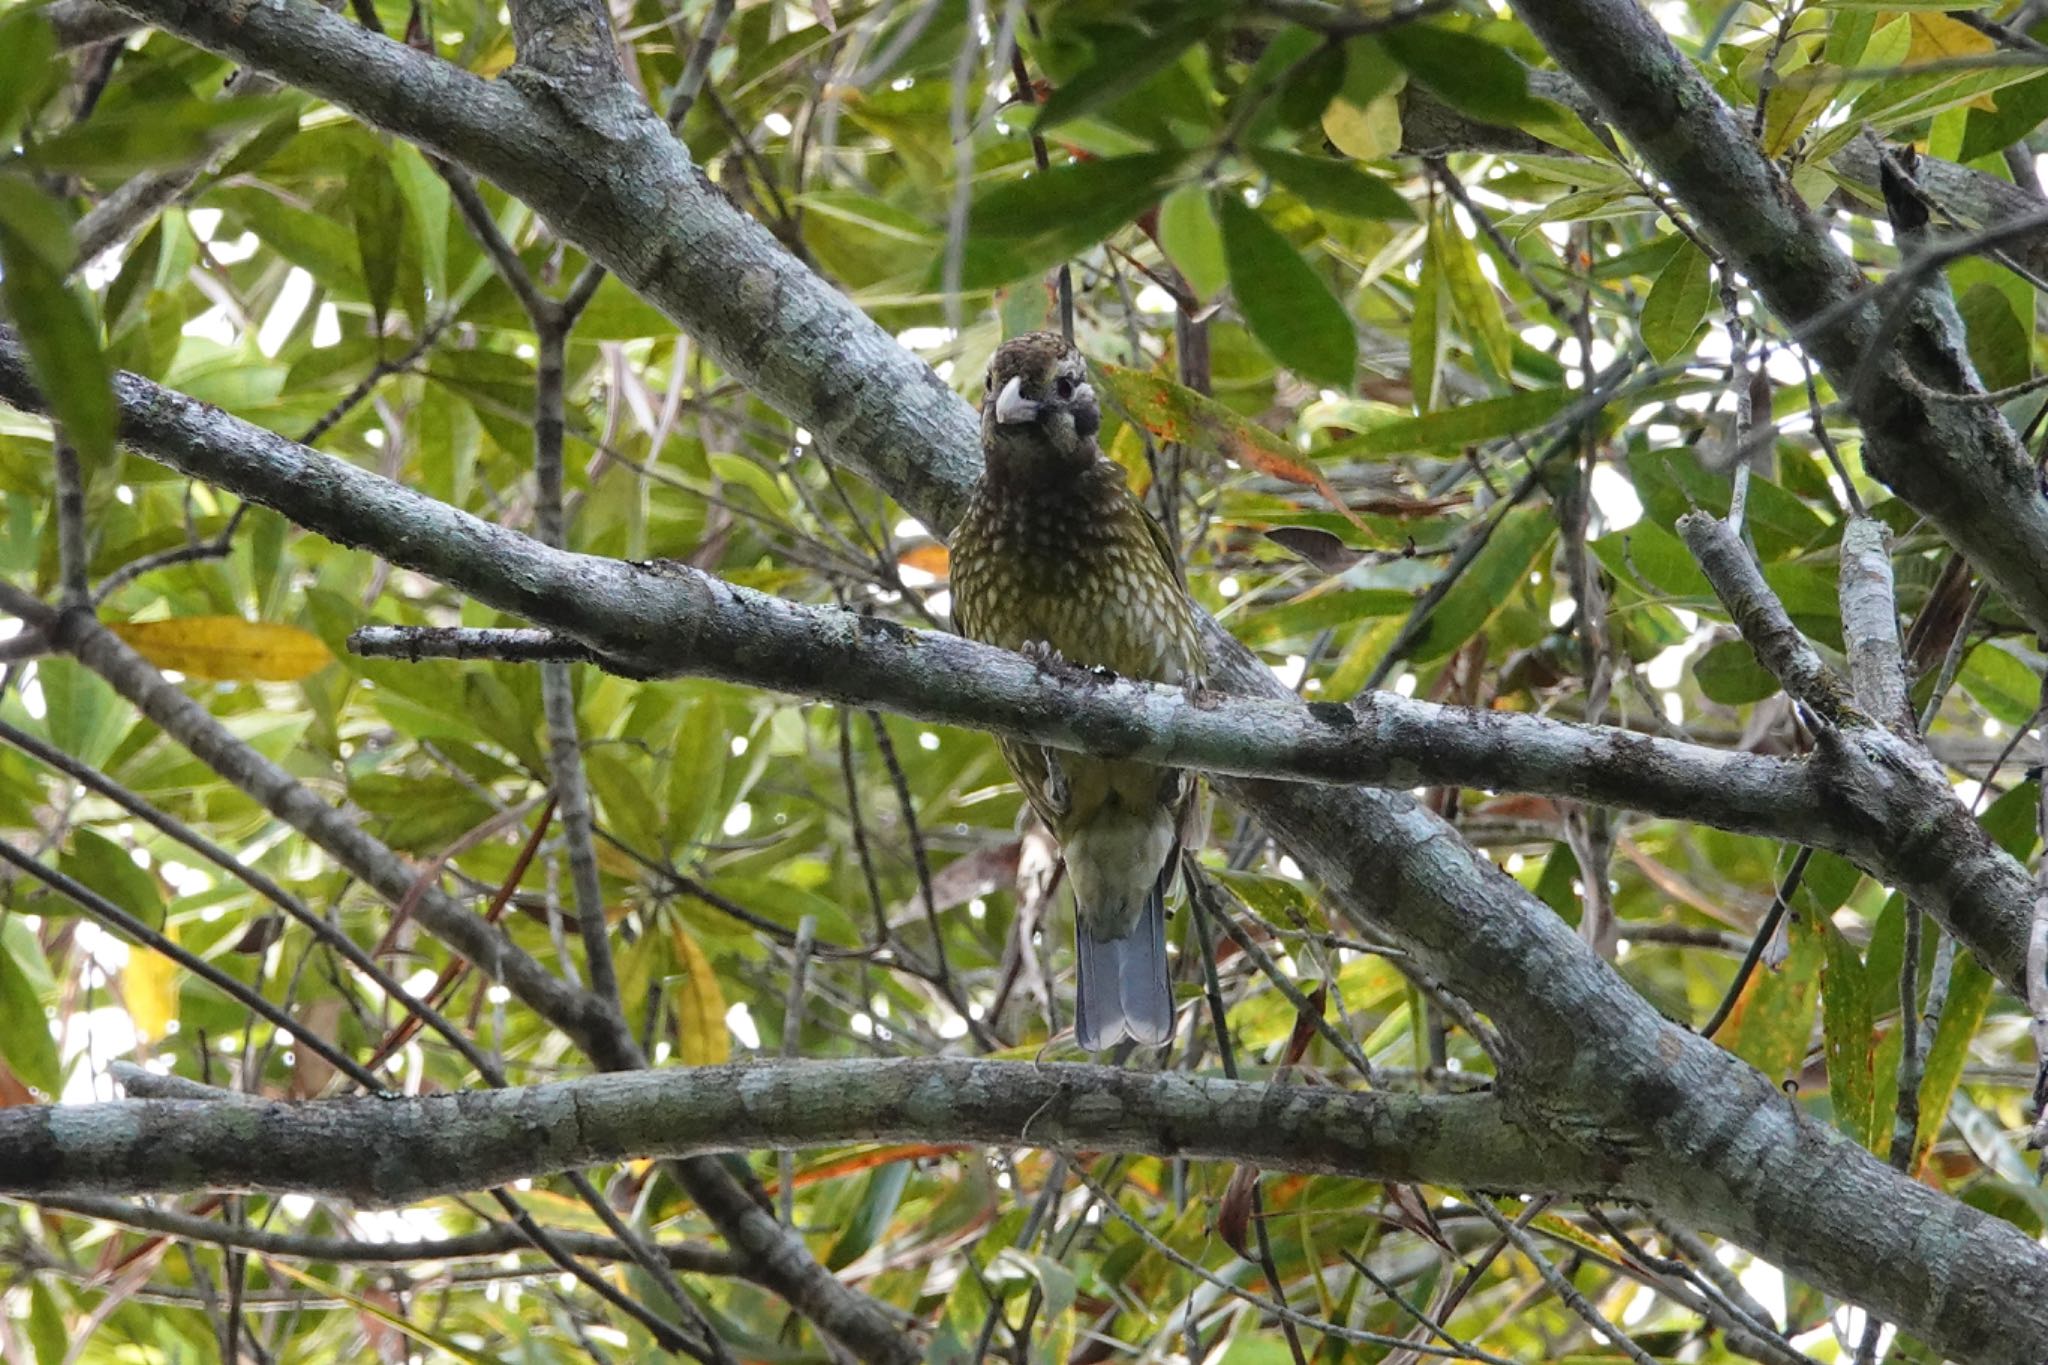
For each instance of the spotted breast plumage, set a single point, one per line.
(1055, 555)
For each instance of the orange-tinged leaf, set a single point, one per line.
(149, 987)
(931, 559)
(1234, 1210)
(227, 648)
(1173, 412)
(870, 1160)
(701, 1035)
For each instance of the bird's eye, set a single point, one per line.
(1065, 388)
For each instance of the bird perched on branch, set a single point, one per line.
(1057, 558)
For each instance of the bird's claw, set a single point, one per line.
(1042, 654)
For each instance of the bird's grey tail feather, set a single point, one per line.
(1121, 985)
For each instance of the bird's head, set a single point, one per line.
(1038, 412)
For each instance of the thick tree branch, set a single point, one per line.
(1959, 464)
(395, 1151)
(1904, 825)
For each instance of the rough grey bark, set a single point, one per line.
(394, 1151)
(1709, 1137)
(1901, 823)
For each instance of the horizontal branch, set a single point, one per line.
(387, 1152)
(490, 1243)
(1905, 826)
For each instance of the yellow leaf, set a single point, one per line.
(227, 648)
(1364, 134)
(701, 1036)
(149, 987)
(1936, 37)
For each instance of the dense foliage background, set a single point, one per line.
(1349, 281)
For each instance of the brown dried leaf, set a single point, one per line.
(1234, 1211)
(1319, 547)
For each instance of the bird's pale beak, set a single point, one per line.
(1012, 407)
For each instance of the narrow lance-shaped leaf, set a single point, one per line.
(1677, 302)
(227, 648)
(1426, 329)
(25, 1040)
(1486, 582)
(378, 208)
(1333, 186)
(1845, 1019)
(1189, 236)
(701, 1035)
(57, 320)
(1473, 297)
(142, 138)
(1289, 308)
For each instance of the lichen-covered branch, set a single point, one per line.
(395, 1151)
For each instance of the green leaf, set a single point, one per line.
(1845, 1020)
(1655, 558)
(1189, 236)
(1487, 582)
(2013, 820)
(1286, 304)
(1997, 681)
(149, 135)
(59, 326)
(696, 777)
(1309, 90)
(378, 210)
(1426, 329)
(1333, 186)
(427, 200)
(1791, 106)
(1729, 674)
(25, 1038)
(1969, 993)
(871, 1219)
(1174, 412)
(32, 68)
(1025, 227)
(1124, 62)
(1481, 420)
(1473, 298)
(1677, 303)
(1472, 75)
(106, 867)
(1773, 1019)
(2001, 347)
